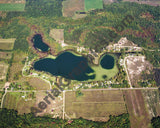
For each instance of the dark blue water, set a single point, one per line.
(39, 44)
(107, 62)
(67, 65)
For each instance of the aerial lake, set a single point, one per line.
(39, 44)
(75, 67)
(67, 65)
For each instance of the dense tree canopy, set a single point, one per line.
(10, 118)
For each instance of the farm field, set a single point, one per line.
(139, 114)
(39, 84)
(96, 4)
(12, 1)
(95, 105)
(12, 7)
(6, 44)
(71, 6)
(14, 100)
(5, 55)
(3, 70)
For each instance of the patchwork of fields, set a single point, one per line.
(14, 100)
(96, 105)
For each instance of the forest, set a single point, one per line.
(10, 118)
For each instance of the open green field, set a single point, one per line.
(14, 100)
(12, 7)
(93, 4)
(3, 70)
(95, 105)
(7, 44)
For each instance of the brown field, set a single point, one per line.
(39, 84)
(7, 44)
(5, 55)
(139, 116)
(95, 105)
(71, 6)
(149, 2)
(152, 100)
(14, 100)
(57, 34)
(12, 1)
(3, 70)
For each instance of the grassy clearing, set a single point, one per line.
(12, 7)
(93, 4)
(7, 44)
(14, 100)
(57, 34)
(95, 105)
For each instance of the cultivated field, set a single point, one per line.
(13, 1)
(3, 70)
(95, 105)
(6, 44)
(14, 100)
(39, 84)
(71, 6)
(5, 55)
(96, 4)
(12, 7)
(139, 116)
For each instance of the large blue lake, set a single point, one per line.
(67, 65)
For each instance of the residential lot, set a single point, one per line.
(96, 105)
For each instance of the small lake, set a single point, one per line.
(39, 44)
(66, 65)
(107, 62)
